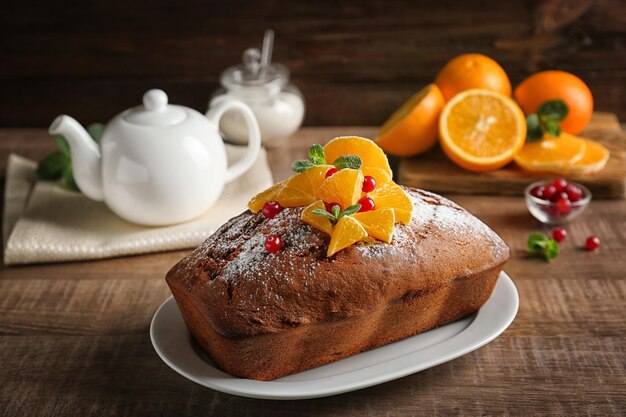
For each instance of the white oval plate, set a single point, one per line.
(174, 345)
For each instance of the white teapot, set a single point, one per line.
(157, 164)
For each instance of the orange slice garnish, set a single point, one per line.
(378, 223)
(380, 175)
(551, 153)
(258, 201)
(318, 222)
(344, 188)
(391, 195)
(371, 155)
(347, 231)
(481, 130)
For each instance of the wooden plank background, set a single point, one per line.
(355, 61)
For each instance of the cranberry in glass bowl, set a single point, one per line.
(556, 201)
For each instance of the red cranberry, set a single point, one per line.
(538, 192)
(559, 184)
(558, 196)
(369, 184)
(563, 205)
(367, 204)
(329, 206)
(273, 243)
(573, 192)
(592, 243)
(331, 172)
(271, 209)
(549, 191)
(559, 234)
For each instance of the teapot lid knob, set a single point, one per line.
(155, 100)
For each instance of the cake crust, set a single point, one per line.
(261, 315)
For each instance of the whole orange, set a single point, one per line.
(550, 85)
(470, 71)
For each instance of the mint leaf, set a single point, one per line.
(540, 244)
(302, 165)
(95, 131)
(53, 166)
(68, 179)
(348, 161)
(316, 155)
(554, 109)
(62, 144)
(336, 211)
(350, 211)
(551, 126)
(533, 131)
(324, 213)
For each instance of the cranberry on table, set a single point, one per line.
(329, 206)
(559, 234)
(331, 172)
(271, 209)
(592, 243)
(573, 192)
(560, 184)
(369, 184)
(367, 204)
(273, 243)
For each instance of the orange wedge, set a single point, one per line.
(481, 130)
(346, 232)
(300, 189)
(391, 195)
(258, 201)
(371, 155)
(413, 128)
(318, 222)
(343, 188)
(551, 153)
(378, 223)
(380, 175)
(595, 158)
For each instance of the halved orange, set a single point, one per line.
(595, 158)
(371, 155)
(346, 232)
(344, 188)
(378, 223)
(551, 153)
(481, 130)
(320, 223)
(413, 128)
(391, 195)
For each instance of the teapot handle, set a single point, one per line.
(216, 112)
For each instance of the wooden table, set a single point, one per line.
(74, 337)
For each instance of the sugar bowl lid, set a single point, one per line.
(155, 111)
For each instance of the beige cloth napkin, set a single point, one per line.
(43, 222)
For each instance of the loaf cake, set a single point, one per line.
(261, 313)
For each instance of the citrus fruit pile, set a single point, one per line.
(480, 127)
(346, 190)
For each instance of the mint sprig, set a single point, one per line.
(546, 120)
(58, 165)
(337, 214)
(540, 244)
(317, 157)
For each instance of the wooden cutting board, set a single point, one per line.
(434, 171)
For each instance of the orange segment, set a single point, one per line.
(320, 223)
(391, 195)
(378, 223)
(258, 201)
(412, 129)
(380, 175)
(371, 155)
(347, 231)
(481, 130)
(551, 153)
(300, 189)
(594, 159)
(344, 188)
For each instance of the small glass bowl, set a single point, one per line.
(547, 211)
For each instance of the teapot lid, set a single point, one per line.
(155, 111)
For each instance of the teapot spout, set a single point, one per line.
(86, 159)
